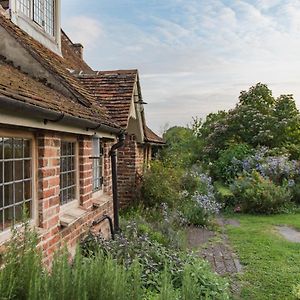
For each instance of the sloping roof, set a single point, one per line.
(72, 60)
(50, 61)
(114, 90)
(152, 137)
(21, 87)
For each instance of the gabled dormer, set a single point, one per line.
(39, 18)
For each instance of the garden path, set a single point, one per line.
(215, 248)
(289, 233)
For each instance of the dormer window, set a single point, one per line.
(42, 12)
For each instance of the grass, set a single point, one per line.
(271, 264)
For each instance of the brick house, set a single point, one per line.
(56, 133)
(120, 93)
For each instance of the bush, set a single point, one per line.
(200, 205)
(224, 169)
(164, 270)
(224, 195)
(161, 184)
(256, 194)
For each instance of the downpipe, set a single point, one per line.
(114, 171)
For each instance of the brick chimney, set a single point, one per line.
(78, 49)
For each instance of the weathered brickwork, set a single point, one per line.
(52, 235)
(131, 165)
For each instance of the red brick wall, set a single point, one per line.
(52, 235)
(130, 167)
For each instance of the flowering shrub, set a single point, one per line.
(200, 205)
(155, 260)
(277, 168)
(257, 194)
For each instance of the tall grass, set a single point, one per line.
(23, 276)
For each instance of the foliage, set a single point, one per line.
(199, 203)
(224, 168)
(258, 119)
(276, 168)
(161, 184)
(182, 147)
(256, 194)
(224, 195)
(156, 260)
(162, 224)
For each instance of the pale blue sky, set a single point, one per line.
(194, 56)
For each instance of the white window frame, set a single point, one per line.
(99, 156)
(75, 202)
(16, 134)
(31, 14)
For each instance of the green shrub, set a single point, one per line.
(256, 194)
(161, 184)
(224, 195)
(193, 213)
(164, 270)
(224, 169)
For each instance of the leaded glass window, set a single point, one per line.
(43, 14)
(15, 180)
(24, 6)
(97, 164)
(67, 172)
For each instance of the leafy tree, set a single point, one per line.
(182, 146)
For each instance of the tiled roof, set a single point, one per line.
(114, 90)
(72, 59)
(21, 87)
(50, 61)
(152, 137)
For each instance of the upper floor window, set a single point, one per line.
(40, 11)
(15, 180)
(97, 165)
(67, 172)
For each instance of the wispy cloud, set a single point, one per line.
(194, 56)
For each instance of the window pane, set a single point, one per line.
(67, 172)
(8, 194)
(13, 189)
(19, 192)
(27, 169)
(38, 12)
(8, 217)
(8, 171)
(8, 148)
(27, 149)
(18, 148)
(24, 7)
(27, 190)
(1, 220)
(18, 169)
(1, 198)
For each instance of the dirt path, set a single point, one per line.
(215, 248)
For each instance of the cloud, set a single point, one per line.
(85, 30)
(194, 56)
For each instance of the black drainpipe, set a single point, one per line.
(113, 155)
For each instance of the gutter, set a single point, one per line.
(48, 115)
(113, 155)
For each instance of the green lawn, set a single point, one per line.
(271, 264)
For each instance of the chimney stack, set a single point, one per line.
(78, 49)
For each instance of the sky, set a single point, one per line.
(193, 56)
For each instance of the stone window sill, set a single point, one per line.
(101, 201)
(71, 216)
